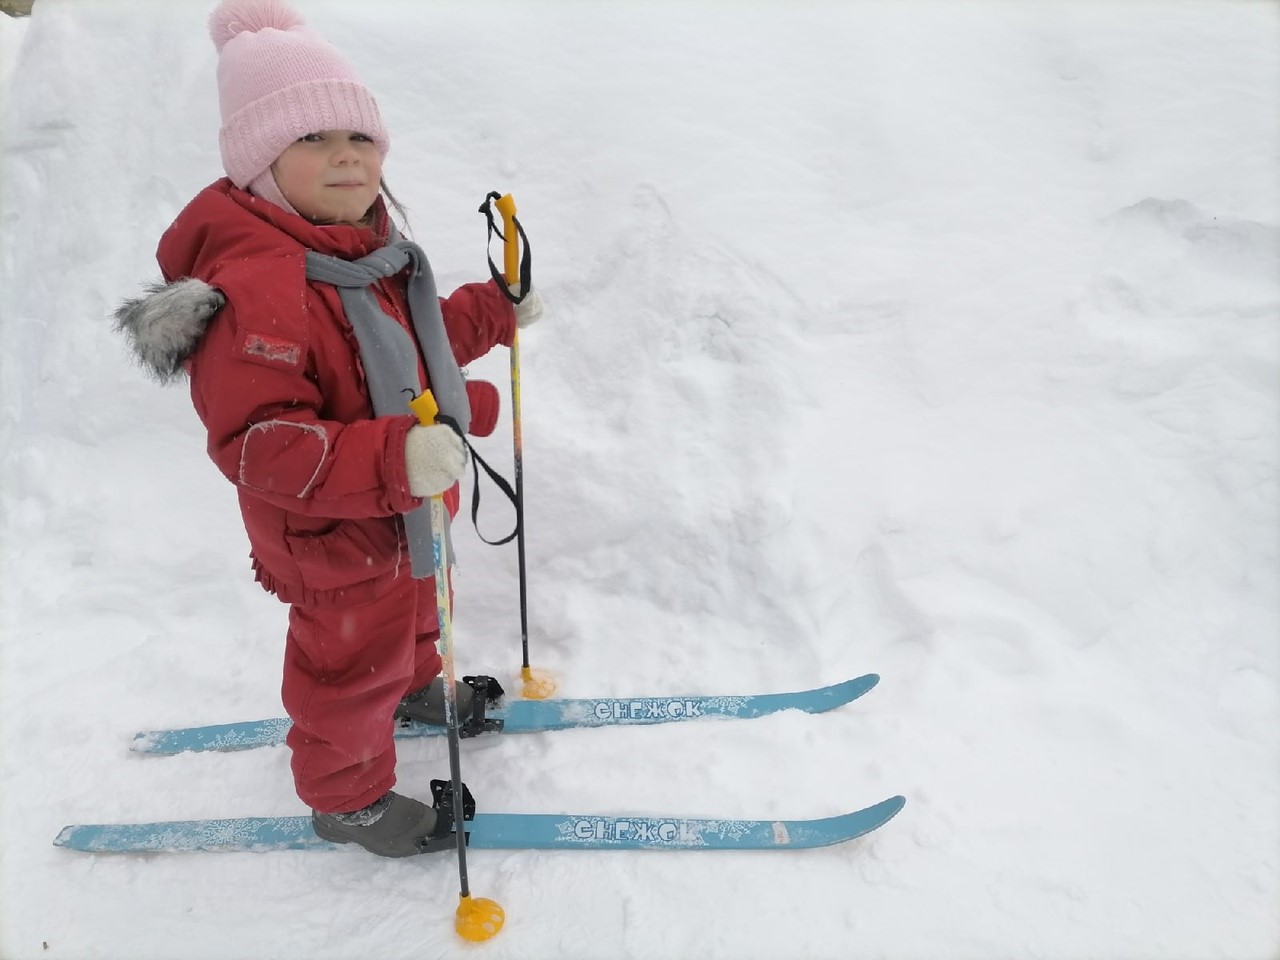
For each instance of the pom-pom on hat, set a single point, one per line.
(277, 81)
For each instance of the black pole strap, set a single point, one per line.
(497, 479)
(526, 260)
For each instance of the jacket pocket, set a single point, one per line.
(352, 552)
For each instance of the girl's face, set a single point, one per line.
(331, 176)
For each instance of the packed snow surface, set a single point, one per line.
(932, 340)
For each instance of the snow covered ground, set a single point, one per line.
(932, 340)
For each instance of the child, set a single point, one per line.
(289, 382)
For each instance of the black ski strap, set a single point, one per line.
(526, 260)
(497, 479)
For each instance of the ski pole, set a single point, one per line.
(538, 685)
(475, 919)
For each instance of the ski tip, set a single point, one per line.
(847, 690)
(885, 810)
(860, 684)
(840, 828)
(882, 812)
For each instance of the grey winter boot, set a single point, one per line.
(427, 705)
(393, 826)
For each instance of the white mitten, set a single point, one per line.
(529, 309)
(434, 458)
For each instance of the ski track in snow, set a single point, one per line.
(939, 346)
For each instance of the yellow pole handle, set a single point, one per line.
(425, 407)
(506, 205)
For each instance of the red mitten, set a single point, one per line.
(485, 404)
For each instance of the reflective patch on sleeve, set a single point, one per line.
(272, 351)
(283, 457)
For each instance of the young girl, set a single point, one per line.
(297, 386)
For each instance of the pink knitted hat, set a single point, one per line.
(278, 81)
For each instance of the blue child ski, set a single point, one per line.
(531, 716)
(507, 831)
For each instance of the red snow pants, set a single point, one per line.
(346, 667)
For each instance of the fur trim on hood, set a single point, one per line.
(165, 325)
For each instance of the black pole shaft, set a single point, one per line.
(440, 550)
(524, 601)
(455, 772)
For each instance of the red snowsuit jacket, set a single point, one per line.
(278, 384)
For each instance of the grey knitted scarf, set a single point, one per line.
(390, 356)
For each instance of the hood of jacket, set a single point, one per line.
(218, 247)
